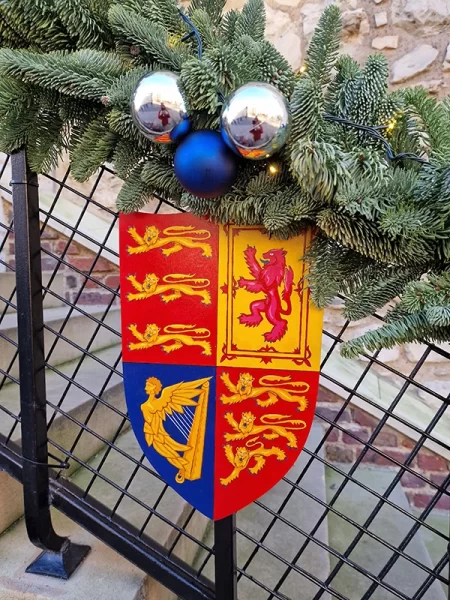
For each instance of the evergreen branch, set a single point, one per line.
(278, 214)
(224, 62)
(228, 25)
(199, 83)
(159, 175)
(339, 92)
(369, 92)
(324, 47)
(134, 193)
(81, 24)
(95, 147)
(122, 89)
(151, 38)
(127, 155)
(83, 74)
(204, 24)
(318, 167)
(374, 289)
(213, 8)
(364, 237)
(251, 21)
(428, 122)
(307, 110)
(415, 328)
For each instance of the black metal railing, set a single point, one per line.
(290, 544)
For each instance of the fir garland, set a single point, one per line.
(68, 69)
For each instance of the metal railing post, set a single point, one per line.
(225, 558)
(59, 557)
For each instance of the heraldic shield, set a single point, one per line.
(221, 352)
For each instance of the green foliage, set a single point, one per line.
(84, 74)
(307, 111)
(134, 193)
(318, 167)
(213, 8)
(95, 147)
(68, 69)
(368, 92)
(427, 123)
(149, 38)
(81, 23)
(158, 174)
(423, 314)
(251, 21)
(324, 47)
(199, 83)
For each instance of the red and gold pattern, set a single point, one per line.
(232, 342)
(268, 316)
(169, 289)
(256, 442)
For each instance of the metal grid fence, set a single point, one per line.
(324, 532)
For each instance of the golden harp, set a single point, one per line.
(196, 423)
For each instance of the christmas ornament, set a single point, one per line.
(256, 121)
(158, 108)
(221, 354)
(204, 165)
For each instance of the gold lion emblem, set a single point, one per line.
(177, 334)
(176, 283)
(178, 237)
(271, 427)
(241, 460)
(275, 391)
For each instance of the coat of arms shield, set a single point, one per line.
(221, 353)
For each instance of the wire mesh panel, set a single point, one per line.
(364, 513)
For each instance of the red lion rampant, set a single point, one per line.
(268, 279)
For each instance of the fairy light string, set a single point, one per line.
(372, 130)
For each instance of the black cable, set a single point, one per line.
(194, 32)
(374, 132)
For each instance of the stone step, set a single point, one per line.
(436, 545)
(79, 329)
(148, 488)
(390, 525)
(93, 376)
(303, 512)
(8, 283)
(104, 575)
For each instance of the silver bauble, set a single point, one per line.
(256, 121)
(158, 107)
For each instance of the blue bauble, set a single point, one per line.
(204, 165)
(180, 131)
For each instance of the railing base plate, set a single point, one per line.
(59, 564)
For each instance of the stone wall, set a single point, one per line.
(413, 34)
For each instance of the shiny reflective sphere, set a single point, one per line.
(204, 165)
(158, 108)
(256, 121)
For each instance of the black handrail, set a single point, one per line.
(59, 557)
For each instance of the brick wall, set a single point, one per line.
(355, 426)
(77, 287)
